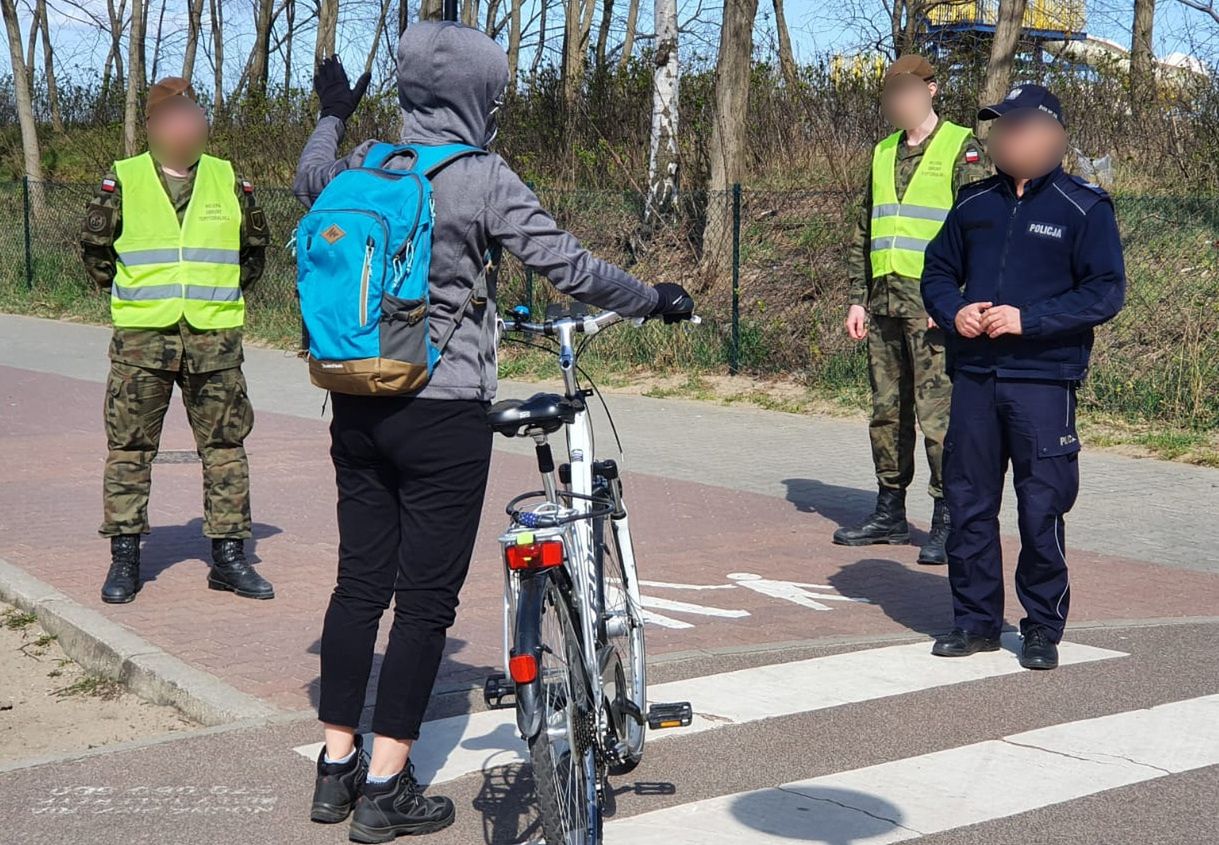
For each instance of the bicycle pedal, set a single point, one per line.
(499, 692)
(675, 715)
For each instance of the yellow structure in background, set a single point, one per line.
(1043, 16)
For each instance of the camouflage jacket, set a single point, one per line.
(894, 295)
(178, 347)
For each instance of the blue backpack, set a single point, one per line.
(363, 253)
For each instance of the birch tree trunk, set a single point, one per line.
(666, 81)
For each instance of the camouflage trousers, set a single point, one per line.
(909, 382)
(220, 416)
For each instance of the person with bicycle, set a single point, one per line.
(411, 471)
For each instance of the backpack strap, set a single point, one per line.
(382, 152)
(477, 296)
(431, 159)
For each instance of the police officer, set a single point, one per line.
(176, 237)
(1028, 263)
(915, 174)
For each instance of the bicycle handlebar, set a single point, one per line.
(587, 325)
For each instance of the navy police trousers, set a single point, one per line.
(1030, 424)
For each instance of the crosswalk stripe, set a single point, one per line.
(913, 797)
(460, 745)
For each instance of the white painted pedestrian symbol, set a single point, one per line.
(793, 591)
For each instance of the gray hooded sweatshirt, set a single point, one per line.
(450, 80)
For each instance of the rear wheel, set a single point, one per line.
(563, 753)
(623, 658)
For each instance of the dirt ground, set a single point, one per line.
(50, 705)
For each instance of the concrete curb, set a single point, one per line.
(113, 651)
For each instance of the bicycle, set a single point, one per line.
(574, 646)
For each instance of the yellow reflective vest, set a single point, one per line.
(168, 270)
(902, 228)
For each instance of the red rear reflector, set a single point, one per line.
(535, 555)
(524, 668)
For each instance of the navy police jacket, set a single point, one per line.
(1054, 253)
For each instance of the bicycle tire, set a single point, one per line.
(631, 680)
(566, 772)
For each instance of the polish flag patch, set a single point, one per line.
(247, 187)
(971, 156)
(108, 185)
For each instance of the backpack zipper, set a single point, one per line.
(368, 250)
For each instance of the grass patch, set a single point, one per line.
(91, 686)
(17, 620)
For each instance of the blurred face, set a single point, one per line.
(177, 133)
(1027, 144)
(906, 101)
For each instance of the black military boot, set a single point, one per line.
(886, 525)
(933, 551)
(338, 785)
(123, 579)
(398, 808)
(231, 571)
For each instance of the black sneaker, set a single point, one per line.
(1038, 651)
(398, 808)
(960, 643)
(338, 785)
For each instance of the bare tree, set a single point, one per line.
(114, 58)
(607, 18)
(156, 44)
(288, 39)
(493, 25)
(537, 53)
(216, 14)
(327, 29)
(1002, 53)
(1204, 6)
(376, 36)
(31, 152)
(727, 148)
(135, 77)
(787, 61)
(1142, 70)
(514, 41)
(404, 16)
(32, 43)
(431, 10)
(48, 62)
(628, 37)
(194, 25)
(573, 53)
(666, 80)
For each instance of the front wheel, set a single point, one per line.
(563, 752)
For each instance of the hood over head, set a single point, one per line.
(451, 79)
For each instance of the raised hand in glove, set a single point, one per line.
(337, 96)
(673, 303)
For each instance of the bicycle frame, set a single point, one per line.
(580, 562)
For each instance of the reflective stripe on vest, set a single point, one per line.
(902, 228)
(168, 271)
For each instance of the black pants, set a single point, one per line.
(411, 477)
(1031, 425)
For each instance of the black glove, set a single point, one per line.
(673, 303)
(338, 98)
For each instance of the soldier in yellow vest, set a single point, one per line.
(915, 175)
(176, 237)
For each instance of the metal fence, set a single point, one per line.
(770, 271)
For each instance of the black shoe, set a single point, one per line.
(1038, 652)
(338, 785)
(934, 553)
(398, 808)
(960, 643)
(231, 571)
(123, 579)
(887, 524)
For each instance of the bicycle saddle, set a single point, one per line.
(546, 412)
